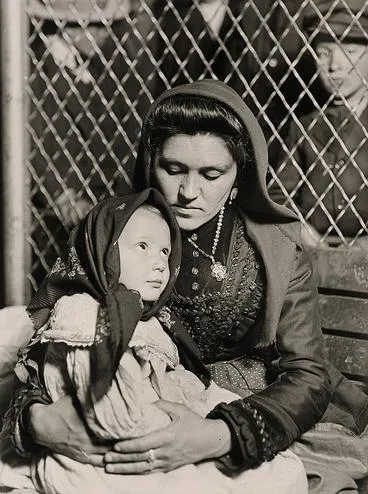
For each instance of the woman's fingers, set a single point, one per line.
(135, 463)
(127, 457)
(96, 460)
(132, 468)
(155, 439)
(142, 444)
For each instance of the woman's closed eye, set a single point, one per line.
(172, 168)
(213, 175)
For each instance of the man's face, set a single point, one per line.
(342, 67)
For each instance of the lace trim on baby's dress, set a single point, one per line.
(212, 319)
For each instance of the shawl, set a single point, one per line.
(253, 198)
(90, 264)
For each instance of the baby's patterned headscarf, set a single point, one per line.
(91, 264)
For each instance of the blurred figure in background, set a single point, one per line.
(77, 144)
(249, 44)
(326, 173)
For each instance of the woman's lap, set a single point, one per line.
(285, 474)
(336, 460)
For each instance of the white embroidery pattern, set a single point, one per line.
(69, 268)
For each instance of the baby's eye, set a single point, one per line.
(166, 252)
(142, 246)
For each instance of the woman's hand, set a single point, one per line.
(59, 427)
(188, 439)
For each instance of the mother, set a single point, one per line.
(245, 293)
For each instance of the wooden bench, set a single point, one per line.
(342, 277)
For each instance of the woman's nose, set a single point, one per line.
(189, 187)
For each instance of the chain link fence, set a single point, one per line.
(96, 65)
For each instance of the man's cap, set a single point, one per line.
(344, 20)
(79, 10)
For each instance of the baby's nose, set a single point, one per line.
(159, 265)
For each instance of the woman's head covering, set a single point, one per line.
(91, 264)
(253, 197)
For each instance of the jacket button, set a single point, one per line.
(339, 164)
(273, 62)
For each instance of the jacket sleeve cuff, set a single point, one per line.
(251, 441)
(17, 419)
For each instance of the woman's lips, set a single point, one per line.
(184, 210)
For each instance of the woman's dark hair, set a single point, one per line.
(190, 114)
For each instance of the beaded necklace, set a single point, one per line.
(218, 270)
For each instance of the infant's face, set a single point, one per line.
(343, 67)
(145, 247)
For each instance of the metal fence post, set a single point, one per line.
(13, 72)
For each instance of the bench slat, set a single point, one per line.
(346, 314)
(344, 269)
(349, 355)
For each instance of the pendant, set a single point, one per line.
(218, 271)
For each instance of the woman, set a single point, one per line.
(245, 289)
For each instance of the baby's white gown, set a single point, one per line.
(149, 370)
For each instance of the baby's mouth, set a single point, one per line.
(155, 283)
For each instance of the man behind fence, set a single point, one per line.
(77, 144)
(326, 173)
(250, 44)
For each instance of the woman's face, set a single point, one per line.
(195, 174)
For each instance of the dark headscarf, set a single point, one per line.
(91, 264)
(253, 198)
